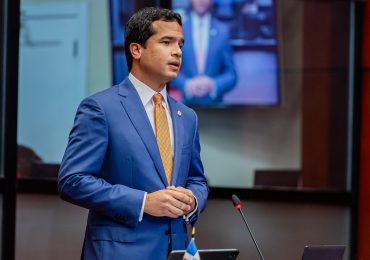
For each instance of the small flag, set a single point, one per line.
(192, 251)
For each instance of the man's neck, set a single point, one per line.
(156, 86)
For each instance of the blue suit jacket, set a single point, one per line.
(219, 62)
(112, 158)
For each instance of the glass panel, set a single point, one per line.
(300, 142)
(64, 56)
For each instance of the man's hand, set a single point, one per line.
(191, 88)
(170, 202)
(188, 193)
(199, 86)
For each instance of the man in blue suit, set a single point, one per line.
(140, 177)
(207, 71)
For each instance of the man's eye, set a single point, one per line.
(166, 42)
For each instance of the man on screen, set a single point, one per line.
(208, 69)
(133, 156)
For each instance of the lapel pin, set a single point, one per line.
(179, 113)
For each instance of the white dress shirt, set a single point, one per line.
(146, 94)
(200, 27)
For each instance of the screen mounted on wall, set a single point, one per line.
(230, 56)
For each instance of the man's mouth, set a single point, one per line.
(174, 64)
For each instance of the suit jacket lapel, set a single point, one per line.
(178, 131)
(132, 104)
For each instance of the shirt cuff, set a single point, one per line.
(188, 216)
(142, 208)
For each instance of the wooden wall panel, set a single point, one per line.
(364, 179)
(364, 189)
(324, 94)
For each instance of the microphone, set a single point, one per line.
(238, 206)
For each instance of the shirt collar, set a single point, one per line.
(196, 18)
(145, 92)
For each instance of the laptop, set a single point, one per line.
(207, 254)
(323, 252)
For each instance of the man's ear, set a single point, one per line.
(135, 50)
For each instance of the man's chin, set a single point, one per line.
(172, 75)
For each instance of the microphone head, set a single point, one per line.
(236, 201)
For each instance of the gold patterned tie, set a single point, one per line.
(163, 135)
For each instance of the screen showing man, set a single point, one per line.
(230, 53)
(230, 56)
(207, 71)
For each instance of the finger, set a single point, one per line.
(173, 211)
(171, 188)
(187, 192)
(182, 189)
(193, 90)
(203, 91)
(198, 93)
(179, 195)
(177, 199)
(180, 205)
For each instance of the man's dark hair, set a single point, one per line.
(139, 28)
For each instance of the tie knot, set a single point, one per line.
(157, 98)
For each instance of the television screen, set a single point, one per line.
(120, 13)
(230, 56)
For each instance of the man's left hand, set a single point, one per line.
(187, 192)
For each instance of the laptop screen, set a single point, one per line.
(323, 252)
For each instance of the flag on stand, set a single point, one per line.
(192, 251)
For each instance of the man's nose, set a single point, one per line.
(177, 51)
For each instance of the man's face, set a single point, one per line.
(201, 6)
(161, 58)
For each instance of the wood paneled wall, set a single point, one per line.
(325, 94)
(364, 181)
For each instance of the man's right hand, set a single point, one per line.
(167, 203)
(199, 86)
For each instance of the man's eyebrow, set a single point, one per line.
(171, 38)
